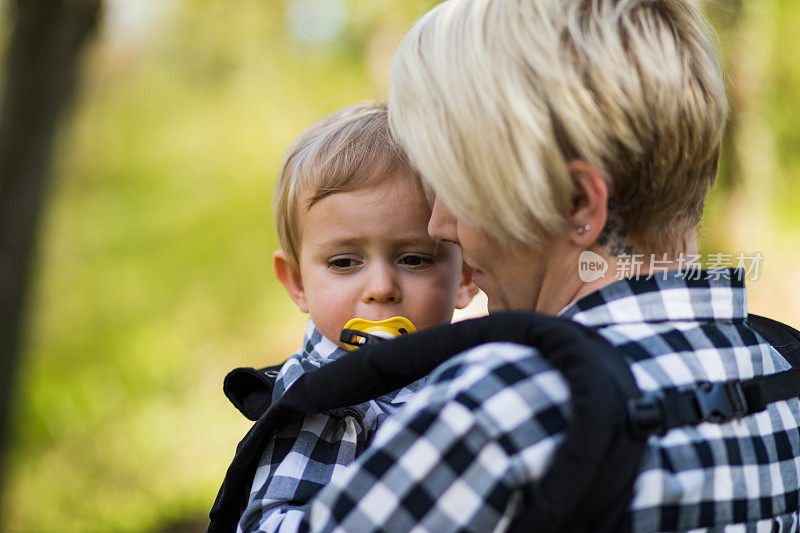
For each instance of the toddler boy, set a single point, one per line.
(352, 219)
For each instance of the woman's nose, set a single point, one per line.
(442, 224)
(381, 285)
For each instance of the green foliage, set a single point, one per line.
(154, 273)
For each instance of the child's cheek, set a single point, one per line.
(437, 308)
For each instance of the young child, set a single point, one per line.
(352, 219)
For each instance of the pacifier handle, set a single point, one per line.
(357, 338)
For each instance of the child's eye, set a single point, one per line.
(413, 260)
(342, 263)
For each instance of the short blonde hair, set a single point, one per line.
(346, 151)
(492, 99)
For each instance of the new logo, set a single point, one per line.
(591, 266)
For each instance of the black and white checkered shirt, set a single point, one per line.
(459, 454)
(301, 458)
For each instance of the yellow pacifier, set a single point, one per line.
(359, 331)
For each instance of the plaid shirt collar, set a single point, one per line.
(717, 295)
(318, 348)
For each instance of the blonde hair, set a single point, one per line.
(346, 151)
(492, 98)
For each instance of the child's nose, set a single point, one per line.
(382, 285)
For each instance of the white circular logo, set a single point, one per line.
(591, 266)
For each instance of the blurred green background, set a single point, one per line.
(153, 274)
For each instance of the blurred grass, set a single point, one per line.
(154, 273)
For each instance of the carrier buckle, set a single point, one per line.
(720, 402)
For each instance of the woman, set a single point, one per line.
(557, 134)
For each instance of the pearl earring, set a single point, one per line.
(584, 229)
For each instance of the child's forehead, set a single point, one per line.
(400, 190)
(388, 210)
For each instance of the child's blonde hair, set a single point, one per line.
(346, 151)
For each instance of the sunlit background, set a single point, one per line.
(153, 275)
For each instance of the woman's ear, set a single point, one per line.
(589, 211)
(288, 273)
(466, 289)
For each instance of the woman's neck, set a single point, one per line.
(598, 267)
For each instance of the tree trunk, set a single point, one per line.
(42, 61)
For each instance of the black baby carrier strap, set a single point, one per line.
(595, 371)
(782, 337)
(588, 485)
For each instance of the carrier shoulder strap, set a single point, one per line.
(588, 485)
(782, 337)
(250, 390)
(579, 353)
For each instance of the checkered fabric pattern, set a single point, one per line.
(305, 455)
(460, 453)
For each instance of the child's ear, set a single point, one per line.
(466, 289)
(288, 273)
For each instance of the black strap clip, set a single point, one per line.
(654, 414)
(720, 402)
(646, 416)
